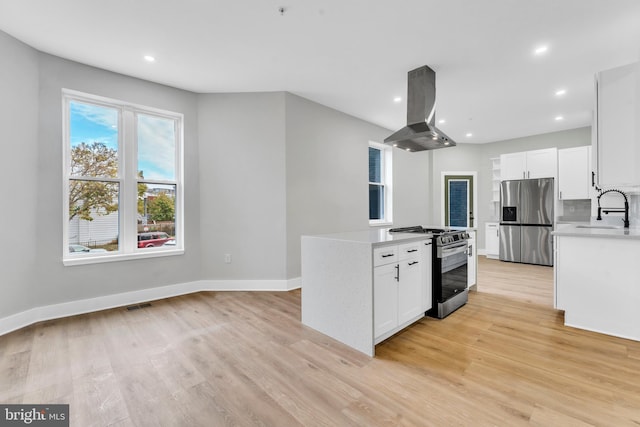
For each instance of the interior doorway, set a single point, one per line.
(459, 199)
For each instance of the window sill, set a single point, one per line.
(98, 259)
(380, 224)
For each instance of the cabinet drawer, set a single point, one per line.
(409, 250)
(385, 255)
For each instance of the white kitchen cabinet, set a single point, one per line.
(529, 164)
(472, 262)
(398, 289)
(385, 298)
(349, 287)
(492, 239)
(574, 173)
(410, 290)
(513, 165)
(616, 145)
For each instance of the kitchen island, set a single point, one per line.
(596, 278)
(338, 275)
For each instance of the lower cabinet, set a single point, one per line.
(492, 239)
(472, 262)
(385, 299)
(400, 287)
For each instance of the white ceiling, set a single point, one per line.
(354, 55)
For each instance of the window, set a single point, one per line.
(122, 170)
(379, 184)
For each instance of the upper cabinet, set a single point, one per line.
(616, 135)
(574, 173)
(529, 164)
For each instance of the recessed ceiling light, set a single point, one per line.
(408, 149)
(446, 143)
(561, 92)
(540, 50)
(441, 121)
(559, 118)
(395, 145)
(397, 99)
(149, 58)
(469, 135)
(435, 138)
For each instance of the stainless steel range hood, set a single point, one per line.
(420, 133)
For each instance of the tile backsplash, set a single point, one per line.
(576, 210)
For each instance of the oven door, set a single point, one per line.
(453, 270)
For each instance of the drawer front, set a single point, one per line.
(410, 250)
(385, 255)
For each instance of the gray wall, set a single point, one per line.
(55, 283)
(19, 215)
(243, 185)
(327, 175)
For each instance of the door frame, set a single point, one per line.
(473, 174)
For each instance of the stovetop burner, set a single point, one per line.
(418, 229)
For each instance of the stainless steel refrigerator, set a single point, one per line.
(526, 221)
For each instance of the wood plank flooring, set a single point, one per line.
(523, 282)
(244, 358)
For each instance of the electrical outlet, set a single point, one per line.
(227, 258)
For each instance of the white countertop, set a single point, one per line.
(596, 230)
(374, 237)
(380, 236)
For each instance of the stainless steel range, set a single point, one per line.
(449, 277)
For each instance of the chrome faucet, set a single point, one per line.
(607, 210)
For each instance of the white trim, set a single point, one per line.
(127, 176)
(386, 154)
(443, 174)
(89, 258)
(73, 308)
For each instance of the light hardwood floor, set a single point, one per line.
(242, 358)
(522, 282)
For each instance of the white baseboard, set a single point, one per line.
(482, 252)
(72, 308)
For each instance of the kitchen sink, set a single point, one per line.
(600, 227)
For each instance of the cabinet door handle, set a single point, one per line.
(528, 174)
(524, 174)
(593, 179)
(397, 273)
(386, 255)
(412, 250)
(561, 195)
(413, 263)
(470, 250)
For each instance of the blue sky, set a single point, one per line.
(91, 123)
(156, 137)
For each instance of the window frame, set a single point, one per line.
(386, 181)
(127, 179)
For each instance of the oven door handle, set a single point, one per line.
(454, 250)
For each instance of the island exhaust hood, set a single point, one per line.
(420, 133)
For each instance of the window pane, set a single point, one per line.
(156, 148)
(93, 132)
(458, 196)
(156, 215)
(376, 201)
(93, 216)
(375, 165)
